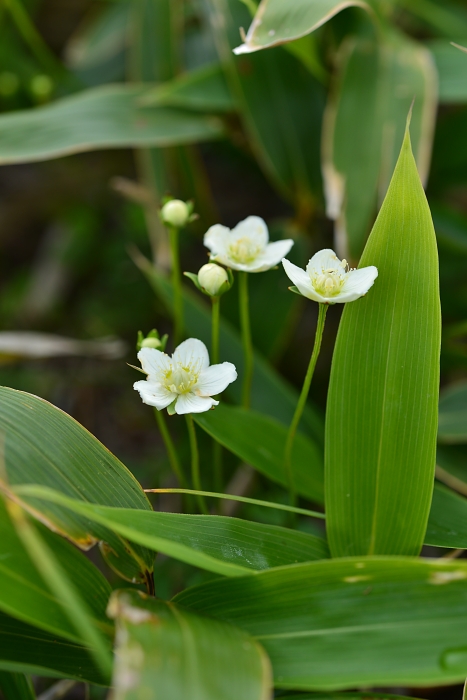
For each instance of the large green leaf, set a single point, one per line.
(351, 622)
(452, 426)
(382, 407)
(105, 117)
(165, 652)
(16, 686)
(43, 445)
(279, 21)
(271, 394)
(225, 546)
(274, 82)
(28, 649)
(452, 70)
(259, 440)
(364, 127)
(24, 594)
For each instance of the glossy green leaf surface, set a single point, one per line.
(223, 545)
(102, 117)
(364, 127)
(451, 65)
(382, 408)
(452, 425)
(271, 394)
(259, 440)
(78, 466)
(16, 686)
(388, 620)
(24, 594)
(279, 21)
(28, 649)
(182, 655)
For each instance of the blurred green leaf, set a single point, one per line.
(451, 466)
(382, 407)
(448, 18)
(259, 440)
(225, 546)
(102, 117)
(23, 593)
(452, 71)
(447, 524)
(364, 126)
(376, 695)
(279, 21)
(28, 649)
(451, 229)
(452, 425)
(16, 686)
(43, 445)
(182, 655)
(203, 89)
(388, 620)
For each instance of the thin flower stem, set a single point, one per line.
(215, 330)
(246, 337)
(302, 401)
(176, 284)
(195, 476)
(170, 447)
(242, 499)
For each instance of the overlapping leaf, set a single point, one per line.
(452, 427)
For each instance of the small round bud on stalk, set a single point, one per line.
(176, 213)
(152, 340)
(213, 280)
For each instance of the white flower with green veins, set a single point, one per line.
(183, 383)
(329, 280)
(246, 247)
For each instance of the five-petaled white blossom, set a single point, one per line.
(328, 279)
(185, 380)
(246, 247)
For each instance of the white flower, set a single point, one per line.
(328, 279)
(246, 247)
(185, 378)
(175, 213)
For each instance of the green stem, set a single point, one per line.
(302, 401)
(176, 285)
(170, 447)
(195, 476)
(246, 337)
(215, 330)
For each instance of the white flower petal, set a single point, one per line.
(217, 238)
(357, 283)
(254, 228)
(271, 255)
(189, 403)
(301, 280)
(215, 379)
(154, 394)
(192, 351)
(323, 260)
(153, 361)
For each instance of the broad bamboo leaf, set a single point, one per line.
(387, 620)
(279, 21)
(259, 440)
(16, 686)
(364, 126)
(271, 394)
(382, 407)
(27, 649)
(43, 445)
(24, 594)
(102, 117)
(223, 545)
(165, 652)
(452, 426)
(447, 524)
(451, 65)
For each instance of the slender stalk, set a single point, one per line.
(195, 476)
(302, 401)
(170, 447)
(246, 337)
(176, 284)
(242, 499)
(216, 447)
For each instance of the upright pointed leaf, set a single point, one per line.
(382, 409)
(166, 652)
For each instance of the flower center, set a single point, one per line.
(329, 281)
(181, 379)
(244, 251)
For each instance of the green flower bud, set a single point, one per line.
(152, 340)
(212, 279)
(175, 213)
(151, 343)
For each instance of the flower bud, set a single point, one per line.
(152, 340)
(213, 279)
(151, 343)
(175, 213)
